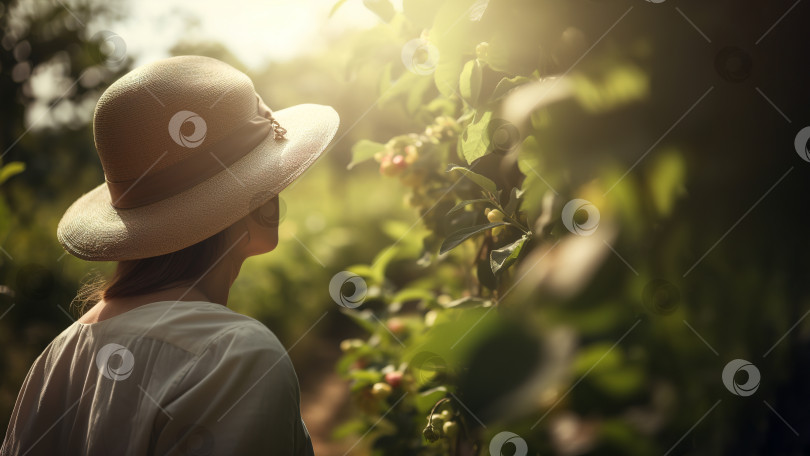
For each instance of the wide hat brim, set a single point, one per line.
(93, 229)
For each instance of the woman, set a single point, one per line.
(193, 161)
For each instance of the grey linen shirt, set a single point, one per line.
(186, 377)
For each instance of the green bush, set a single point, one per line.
(567, 176)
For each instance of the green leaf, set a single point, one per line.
(420, 12)
(482, 181)
(363, 270)
(514, 199)
(417, 93)
(363, 378)
(504, 257)
(336, 7)
(667, 174)
(412, 294)
(349, 428)
(447, 72)
(11, 169)
(381, 260)
(462, 204)
(364, 150)
(385, 78)
(427, 399)
(475, 138)
(466, 302)
(469, 83)
(507, 84)
(362, 318)
(462, 235)
(382, 8)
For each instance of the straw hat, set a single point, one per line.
(188, 148)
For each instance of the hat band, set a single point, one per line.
(198, 167)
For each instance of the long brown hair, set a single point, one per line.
(134, 277)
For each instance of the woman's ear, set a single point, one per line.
(262, 226)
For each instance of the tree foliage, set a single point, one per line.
(568, 172)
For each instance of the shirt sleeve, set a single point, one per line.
(240, 396)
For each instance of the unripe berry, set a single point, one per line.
(430, 434)
(399, 161)
(396, 326)
(387, 167)
(350, 344)
(450, 429)
(381, 390)
(495, 216)
(394, 378)
(411, 154)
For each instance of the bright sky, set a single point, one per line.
(255, 30)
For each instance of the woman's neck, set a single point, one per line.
(214, 287)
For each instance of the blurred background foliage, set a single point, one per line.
(675, 120)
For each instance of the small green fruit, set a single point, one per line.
(437, 420)
(450, 429)
(495, 216)
(381, 390)
(430, 434)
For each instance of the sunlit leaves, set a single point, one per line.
(620, 84)
(474, 139)
(507, 84)
(382, 8)
(336, 7)
(462, 235)
(462, 204)
(609, 370)
(666, 180)
(420, 12)
(364, 150)
(11, 169)
(426, 399)
(469, 84)
(483, 182)
(506, 256)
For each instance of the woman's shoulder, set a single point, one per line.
(193, 326)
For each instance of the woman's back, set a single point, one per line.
(169, 377)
